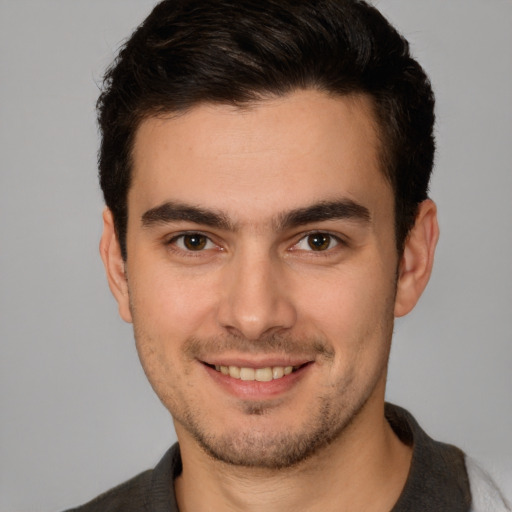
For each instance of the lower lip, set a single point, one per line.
(255, 390)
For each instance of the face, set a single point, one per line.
(261, 272)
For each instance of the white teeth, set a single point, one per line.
(258, 374)
(234, 371)
(263, 374)
(247, 373)
(277, 372)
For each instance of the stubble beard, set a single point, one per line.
(333, 411)
(253, 448)
(275, 451)
(285, 448)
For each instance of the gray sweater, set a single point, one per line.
(441, 478)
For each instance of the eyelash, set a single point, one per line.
(172, 243)
(338, 243)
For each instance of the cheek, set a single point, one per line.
(167, 310)
(343, 299)
(164, 370)
(170, 303)
(354, 312)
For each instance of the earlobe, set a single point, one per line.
(417, 258)
(110, 252)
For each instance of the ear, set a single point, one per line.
(417, 258)
(110, 252)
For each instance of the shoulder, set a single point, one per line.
(128, 496)
(486, 497)
(150, 490)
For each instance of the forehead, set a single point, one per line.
(282, 152)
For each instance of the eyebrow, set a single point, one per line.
(323, 211)
(171, 211)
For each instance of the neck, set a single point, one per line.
(365, 468)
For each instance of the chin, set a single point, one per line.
(266, 447)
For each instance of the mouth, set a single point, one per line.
(265, 374)
(261, 380)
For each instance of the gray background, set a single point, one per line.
(77, 413)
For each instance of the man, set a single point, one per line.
(265, 167)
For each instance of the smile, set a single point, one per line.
(266, 374)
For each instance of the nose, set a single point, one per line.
(256, 300)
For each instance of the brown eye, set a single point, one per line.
(319, 241)
(195, 242)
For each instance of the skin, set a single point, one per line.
(249, 187)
